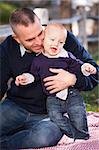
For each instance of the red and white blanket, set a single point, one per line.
(92, 144)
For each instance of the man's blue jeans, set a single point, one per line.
(75, 108)
(21, 129)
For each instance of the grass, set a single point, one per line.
(91, 99)
(92, 108)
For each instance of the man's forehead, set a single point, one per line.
(33, 36)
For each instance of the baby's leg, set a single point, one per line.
(55, 112)
(77, 113)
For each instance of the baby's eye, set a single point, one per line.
(61, 42)
(52, 39)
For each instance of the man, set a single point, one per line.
(25, 123)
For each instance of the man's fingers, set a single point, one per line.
(54, 91)
(56, 77)
(50, 87)
(55, 70)
(51, 78)
(49, 83)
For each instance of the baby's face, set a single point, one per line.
(54, 40)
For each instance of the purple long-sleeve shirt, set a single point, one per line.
(41, 64)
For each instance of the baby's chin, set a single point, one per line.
(53, 54)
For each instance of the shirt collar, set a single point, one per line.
(23, 50)
(62, 53)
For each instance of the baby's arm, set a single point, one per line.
(24, 79)
(88, 69)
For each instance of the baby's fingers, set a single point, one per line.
(93, 70)
(17, 81)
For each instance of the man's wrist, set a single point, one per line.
(74, 79)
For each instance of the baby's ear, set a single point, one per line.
(65, 34)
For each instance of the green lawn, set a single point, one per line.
(92, 99)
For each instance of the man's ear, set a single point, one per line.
(16, 38)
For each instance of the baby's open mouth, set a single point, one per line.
(53, 49)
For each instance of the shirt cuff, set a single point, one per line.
(29, 78)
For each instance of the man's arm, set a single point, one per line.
(5, 72)
(74, 46)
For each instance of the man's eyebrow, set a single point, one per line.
(34, 37)
(40, 33)
(30, 39)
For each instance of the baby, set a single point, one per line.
(55, 56)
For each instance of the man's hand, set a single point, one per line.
(58, 82)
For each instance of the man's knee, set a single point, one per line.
(46, 137)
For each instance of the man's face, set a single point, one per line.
(31, 37)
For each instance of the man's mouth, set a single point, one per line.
(38, 47)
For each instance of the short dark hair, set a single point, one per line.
(22, 16)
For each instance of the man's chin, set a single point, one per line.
(38, 50)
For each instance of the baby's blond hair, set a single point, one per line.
(58, 26)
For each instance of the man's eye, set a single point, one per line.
(30, 40)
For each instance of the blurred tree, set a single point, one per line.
(5, 11)
(66, 11)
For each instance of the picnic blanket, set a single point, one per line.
(91, 144)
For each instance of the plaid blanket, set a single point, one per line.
(92, 144)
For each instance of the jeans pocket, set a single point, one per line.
(74, 98)
(73, 92)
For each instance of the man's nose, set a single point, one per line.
(38, 40)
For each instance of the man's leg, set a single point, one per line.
(12, 117)
(39, 136)
(77, 113)
(37, 131)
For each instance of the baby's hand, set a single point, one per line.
(24, 79)
(20, 80)
(88, 69)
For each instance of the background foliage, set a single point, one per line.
(5, 11)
